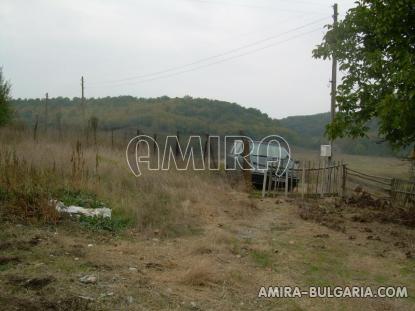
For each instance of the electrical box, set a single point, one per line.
(325, 151)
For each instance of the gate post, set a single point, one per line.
(323, 179)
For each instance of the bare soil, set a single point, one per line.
(271, 242)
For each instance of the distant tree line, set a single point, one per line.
(165, 115)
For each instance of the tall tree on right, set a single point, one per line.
(5, 110)
(375, 47)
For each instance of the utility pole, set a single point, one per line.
(83, 99)
(333, 79)
(46, 111)
(82, 87)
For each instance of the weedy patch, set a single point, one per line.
(114, 224)
(255, 194)
(261, 258)
(202, 273)
(79, 198)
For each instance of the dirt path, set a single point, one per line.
(222, 267)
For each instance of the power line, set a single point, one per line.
(313, 3)
(220, 61)
(231, 51)
(254, 6)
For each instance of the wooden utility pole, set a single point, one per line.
(83, 99)
(46, 111)
(333, 79)
(82, 88)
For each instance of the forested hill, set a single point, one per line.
(310, 130)
(187, 115)
(154, 115)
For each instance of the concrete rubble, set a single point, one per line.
(78, 210)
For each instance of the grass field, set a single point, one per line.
(374, 165)
(180, 240)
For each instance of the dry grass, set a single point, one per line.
(221, 269)
(168, 202)
(24, 190)
(375, 165)
(193, 243)
(202, 272)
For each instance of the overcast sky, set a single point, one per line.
(256, 53)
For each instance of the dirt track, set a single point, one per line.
(222, 266)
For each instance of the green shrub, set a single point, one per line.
(114, 224)
(79, 198)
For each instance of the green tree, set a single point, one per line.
(5, 110)
(375, 47)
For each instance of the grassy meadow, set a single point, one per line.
(385, 166)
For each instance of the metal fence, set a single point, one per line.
(322, 179)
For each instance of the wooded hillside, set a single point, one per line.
(192, 116)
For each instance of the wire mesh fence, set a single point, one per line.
(322, 179)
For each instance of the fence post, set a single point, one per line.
(286, 183)
(154, 143)
(211, 155)
(35, 128)
(206, 148)
(264, 183)
(245, 163)
(270, 179)
(344, 179)
(323, 179)
(318, 176)
(177, 144)
(303, 184)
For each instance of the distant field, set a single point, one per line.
(381, 166)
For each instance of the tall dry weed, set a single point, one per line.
(169, 202)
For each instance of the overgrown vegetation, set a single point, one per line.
(79, 198)
(24, 190)
(5, 110)
(34, 172)
(114, 224)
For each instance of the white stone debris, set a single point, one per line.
(88, 279)
(78, 210)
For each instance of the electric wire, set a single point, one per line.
(219, 61)
(231, 51)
